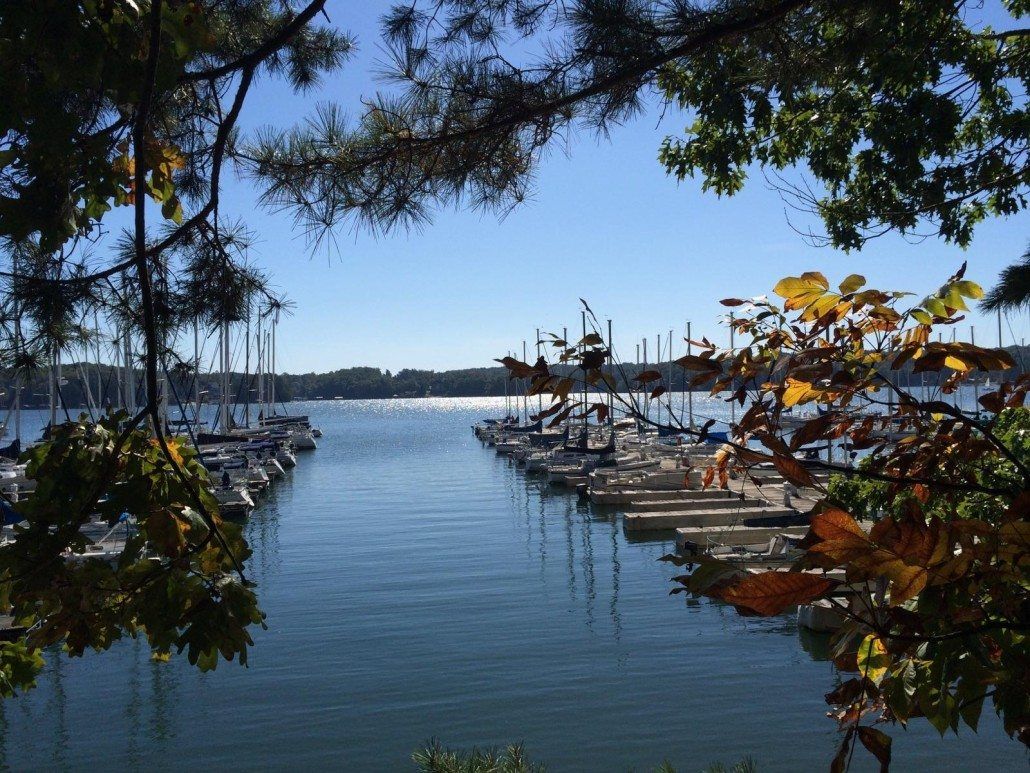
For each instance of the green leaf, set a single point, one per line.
(172, 209)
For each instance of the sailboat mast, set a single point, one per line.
(643, 392)
(246, 372)
(670, 376)
(976, 385)
(540, 396)
(611, 386)
(629, 387)
(658, 367)
(196, 373)
(260, 371)
(268, 372)
(52, 390)
(733, 403)
(130, 380)
(690, 394)
(507, 404)
(583, 317)
(17, 349)
(275, 324)
(525, 391)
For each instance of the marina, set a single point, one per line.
(416, 586)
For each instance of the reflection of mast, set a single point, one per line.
(588, 570)
(613, 608)
(132, 708)
(59, 712)
(570, 557)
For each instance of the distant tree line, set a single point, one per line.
(360, 383)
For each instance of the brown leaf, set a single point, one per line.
(877, 742)
(693, 362)
(791, 469)
(770, 593)
(833, 523)
(847, 691)
(732, 302)
(648, 375)
(816, 429)
(993, 402)
(840, 760)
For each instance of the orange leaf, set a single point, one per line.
(770, 593)
(791, 469)
(708, 477)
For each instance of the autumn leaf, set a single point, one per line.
(693, 362)
(793, 286)
(796, 391)
(873, 660)
(708, 477)
(851, 283)
(791, 469)
(647, 375)
(560, 391)
(877, 742)
(770, 593)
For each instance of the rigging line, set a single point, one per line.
(87, 392)
(182, 410)
(1018, 348)
(235, 358)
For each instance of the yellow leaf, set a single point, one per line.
(969, 289)
(953, 299)
(873, 659)
(792, 286)
(173, 449)
(851, 283)
(818, 278)
(797, 392)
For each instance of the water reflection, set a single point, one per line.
(817, 645)
(536, 504)
(134, 708)
(585, 528)
(529, 615)
(57, 707)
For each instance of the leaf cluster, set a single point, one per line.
(174, 583)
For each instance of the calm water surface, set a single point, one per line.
(416, 585)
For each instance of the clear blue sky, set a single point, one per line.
(605, 223)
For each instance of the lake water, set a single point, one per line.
(416, 585)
